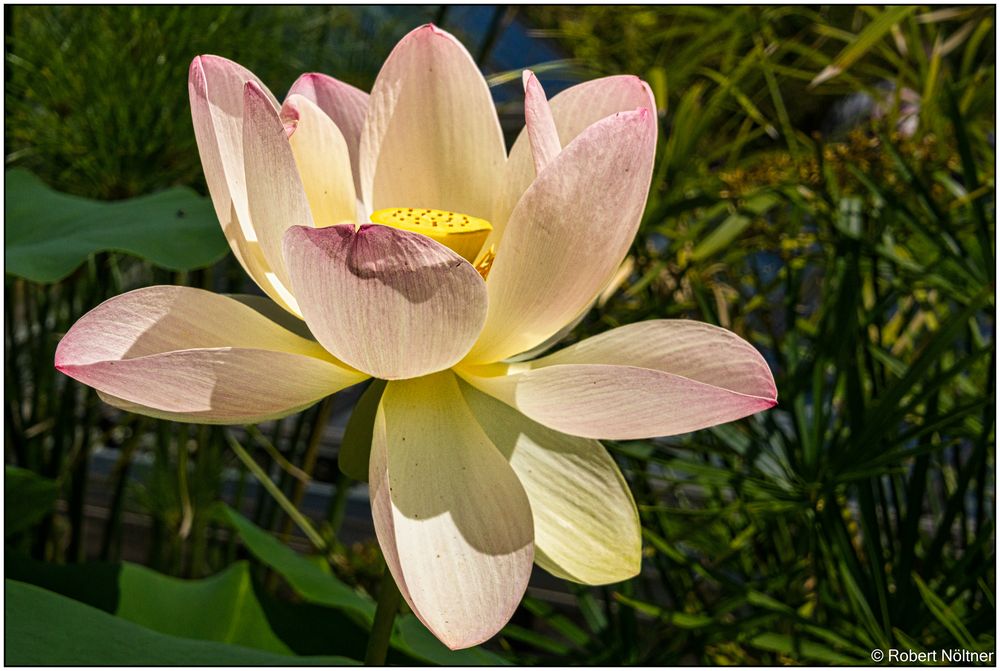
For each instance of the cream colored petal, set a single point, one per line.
(431, 138)
(573, 110)
(451, 517)
(275, 194)
(190, 355)
(624, 403)
(653, 378)
(568, 234)
(216, 86)
(586, 523)
(539, 123)
(392, 303)
(344, 104)
(213, 386)
(323, 161)
(624, 270)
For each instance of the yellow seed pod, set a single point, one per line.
(459, 232)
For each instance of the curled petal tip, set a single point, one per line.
(649, 93)
(290, 114)
(253, 88)
(196, 75)
(431, 30)
(61, 360)
(290, 108)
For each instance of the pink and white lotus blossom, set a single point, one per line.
(417, 251)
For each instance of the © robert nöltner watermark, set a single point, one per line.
(943, 656)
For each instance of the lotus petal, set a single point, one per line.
(323, 161)
(451, 516)
(586, 523)
(431, 138)
(194, 356)
(539, 123)
(275, 195)
(215, 85)
(389, 302)
(573, 110)
(654, 378)
(568, 234)
(344, 104)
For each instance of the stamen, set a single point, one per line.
(485, 261)
(459, 232)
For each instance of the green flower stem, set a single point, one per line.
(309, 458)
(276, 492)
(276, 455)
(389, 599)
(338, 504)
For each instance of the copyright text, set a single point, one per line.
(945, 656)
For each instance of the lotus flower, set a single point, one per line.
(417, 251)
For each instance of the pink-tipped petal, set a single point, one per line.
(323, 161)
(389, 302)
(654, 378)
(451, 516)
(276, 197)
(539, 123)
(431, 138)
(573, 110)
(215, 85)
(344, 104)
(624, 403)
(568, 234)
(190, 355)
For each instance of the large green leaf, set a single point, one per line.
(44, 628)
(220, 608)
(413, 638)
(317, 586)
(27, 498)
(223, 607)
(229, 607)
(49, 234)
(306, 578)
(92, 583)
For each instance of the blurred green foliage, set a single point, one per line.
(825, 187)
(97, 101)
